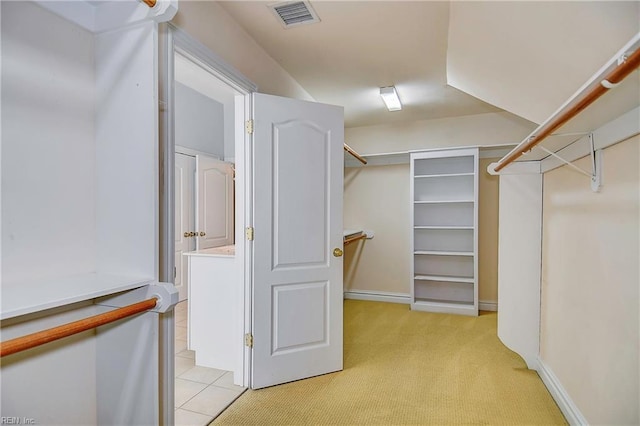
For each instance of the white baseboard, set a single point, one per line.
(383, 296)
(378, 296)
(486, 305)
(560, 395)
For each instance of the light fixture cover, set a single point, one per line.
(390, 98)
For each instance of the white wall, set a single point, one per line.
(127, 151)
(199, 121)
(488, 203)
(530, 63)
(56, 383)
(377, 198)
(470, 130)
(519, 258)
(48, 146)
(48, 209)
(590, 333)
(193, 76)
(210, 24)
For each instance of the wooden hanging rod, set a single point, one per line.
(618, 74)
(29, 341)
(352, 239)
(150, 3)
(355, 154)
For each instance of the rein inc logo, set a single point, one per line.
(14, 420)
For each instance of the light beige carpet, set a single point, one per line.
(408, 368)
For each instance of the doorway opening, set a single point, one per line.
(204, 114)
(204, 157)
(286, 312)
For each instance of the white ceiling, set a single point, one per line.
(360, 46)
(525, 58)
(530, 57)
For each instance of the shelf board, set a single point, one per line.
(453, 303)
(444, 306)
(444, 278)
(443, 201)
(443, 227)
(443, 175)
(34, 296)
(444, 253)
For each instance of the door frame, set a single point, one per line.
(174, 40)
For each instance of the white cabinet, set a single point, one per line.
(444, 237)
(215, 333)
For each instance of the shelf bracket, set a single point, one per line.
(596, 164)
(165, 293)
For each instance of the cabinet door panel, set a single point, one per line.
(215, 203)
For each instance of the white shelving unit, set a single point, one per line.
(80, 211)
(444, 243)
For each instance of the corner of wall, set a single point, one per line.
(559, 393)
(210, 24)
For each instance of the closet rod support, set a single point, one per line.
(565, 162)
(354, 239)
(596, 164)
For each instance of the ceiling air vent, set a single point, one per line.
(292, 13)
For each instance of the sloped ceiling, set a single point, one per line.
(360, 46)
(530, 57)
(446, 59)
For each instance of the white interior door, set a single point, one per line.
(214, 204)
(185, 219)
(297, 287)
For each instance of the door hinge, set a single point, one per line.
(249, 126)
(175, 272)
(248, 340)
(250, 233)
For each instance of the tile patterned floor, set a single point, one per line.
(201, 393)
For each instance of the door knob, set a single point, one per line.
(337, 252)
(202, 234)
(192, 234)
(186, 235)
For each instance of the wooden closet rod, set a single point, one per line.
(45, 336)
(352, 239)
(614, 77)
(355, 154)
(150, 3)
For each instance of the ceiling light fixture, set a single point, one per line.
(390, 98)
